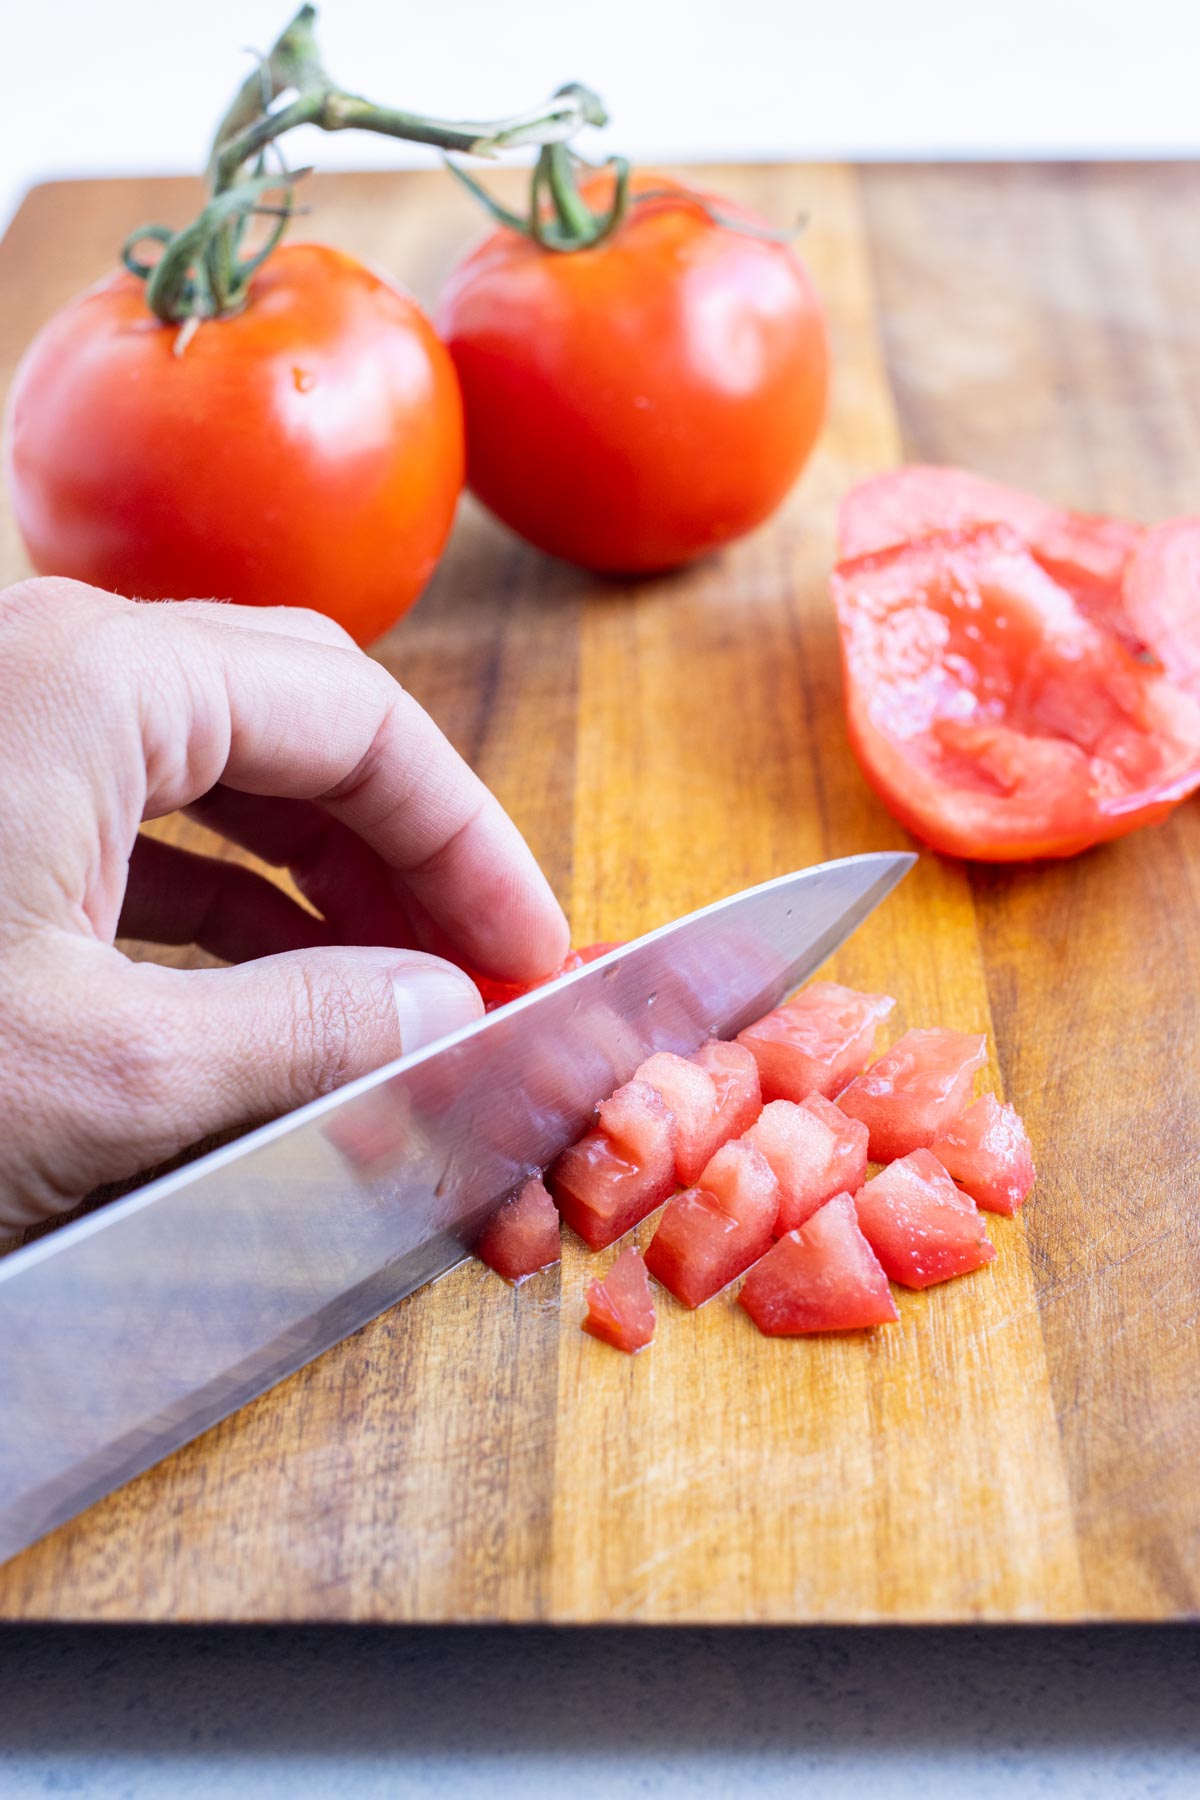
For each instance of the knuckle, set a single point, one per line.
(331, 1009)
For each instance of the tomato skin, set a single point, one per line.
(307, 451)
(635, 406)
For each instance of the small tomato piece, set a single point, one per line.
(921, 1227)
(915, 1088)
(987, 1151)
(816, 1041)
(990, 715)
(522, 1235)
(814, 1150)
(823, 1276)
(620, 1309)
(711, 1233)
(607, 1183)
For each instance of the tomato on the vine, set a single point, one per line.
(306, 450)
(639, 401)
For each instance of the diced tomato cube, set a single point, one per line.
(813, 1154)
(823, 1277)
(621, 1307)
(816, 1042)
(739, 1091)
(921, 1227)
(608, 1182)
(691, 1094)
(711, 1233)
(987, 1151)
(714, 1096)
(522, 1235)
(914, 1089)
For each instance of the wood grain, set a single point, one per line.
(1023, 1445)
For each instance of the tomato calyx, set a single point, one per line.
(560, 217)
(201, 272)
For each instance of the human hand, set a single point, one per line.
(269, 726)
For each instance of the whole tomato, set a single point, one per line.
(633, 405)
(307, 450)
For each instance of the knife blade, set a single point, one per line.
(130, 1331)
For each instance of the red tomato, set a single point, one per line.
(915, 1088)
(814, 1151)
(1084, 552)
(522, 1235)
(711, 1233)
(633, 406)
(987, 1151)
(920, 1226)
(614, 1176)
(621, 1307)
(498, 993)
(816, 1042)
(991, 716)
(822, 1277)
(1162, 598)
(307, 451)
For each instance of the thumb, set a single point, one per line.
(267, 1036)
(108, 1067)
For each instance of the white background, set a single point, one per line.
(115, 86)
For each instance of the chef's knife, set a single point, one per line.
(130, 1331)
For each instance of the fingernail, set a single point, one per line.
(432, 1001)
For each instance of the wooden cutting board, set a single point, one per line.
(1025, 1444)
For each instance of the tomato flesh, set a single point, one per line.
(1084, 552)
(498, 993)
(814, 1152)
(637, 405)
(915, 1088)
(823, 1276)
(1162, 598)
(522, 1235)
(816, 1042)
(987, 1151)
(992, 717)
(922, 1228)
(714, 1096)
(307, 451)
(620, 1309)
(607, 1183)
(709, 1234)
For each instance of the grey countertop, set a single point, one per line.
(475, 1711)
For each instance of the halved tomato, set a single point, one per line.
(1084, 552)
(921, 1227)
(816, 1041)
(522, 1235)
(823, 1277)
(915, 1088)
(987, 1151)
(711, 1233)
(1162, 598)
(621, 1307)
(814, 1150)
(993, 718)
